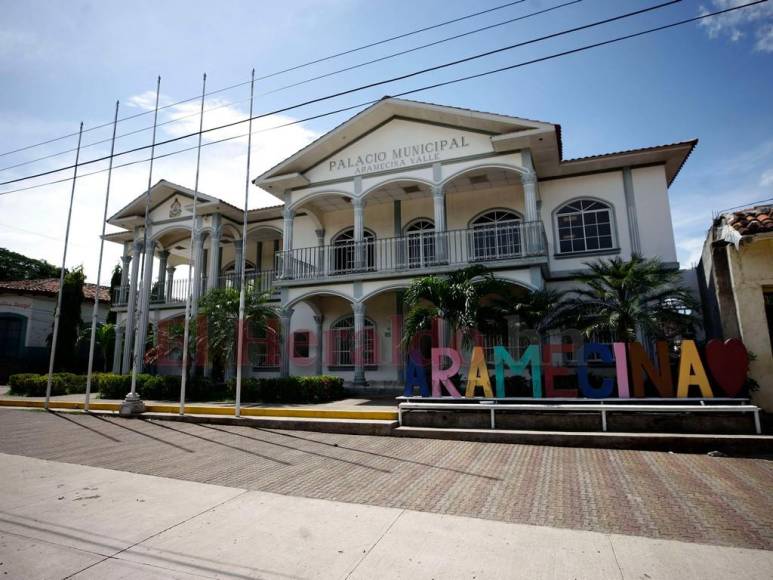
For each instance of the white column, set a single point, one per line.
(288, 215)
(131, 307)
(320, 252)
(198, 257)
(285, 317)
(117, 348)
(439, 207)
(162, 260)
(169, 283)
(123, 291)
(238, 250)
(213, 277)
(532, 232)
(318, 320)
(359, 344)
(359, 233)
(144, 313)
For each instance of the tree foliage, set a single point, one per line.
(220, 306)
(70, 320)
(456, 298)
(104, 341)
(14, 266)
(620, 297)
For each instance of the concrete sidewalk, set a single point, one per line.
(59, 520)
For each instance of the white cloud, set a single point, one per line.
(766, 179)
(736, 25)
(690, 250)
(42, 212)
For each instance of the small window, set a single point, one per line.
(584, 225)
(301, 341)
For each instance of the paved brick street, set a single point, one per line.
(692, 498)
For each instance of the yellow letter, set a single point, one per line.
(478, 375)
(691, 372)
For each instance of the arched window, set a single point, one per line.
(420, 242)
(342, 347)
(12, 334)
(345, 252)
(496, 235)
(584, 225)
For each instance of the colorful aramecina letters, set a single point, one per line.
(631, 368)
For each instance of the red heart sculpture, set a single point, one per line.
(728, 362)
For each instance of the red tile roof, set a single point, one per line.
(50, 287)
(751, 221)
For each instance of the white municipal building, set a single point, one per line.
(400, 190)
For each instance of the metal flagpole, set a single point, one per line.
(132, 399)
(99, 266)
(240, 337)
(58, 310)
(188, 299)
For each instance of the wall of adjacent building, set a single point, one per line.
(751, 271)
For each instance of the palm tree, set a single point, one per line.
(220, 306)
(104, 339)
(455, 298)
(623, 297)
(539, 311)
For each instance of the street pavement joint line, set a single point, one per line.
(57, 544)
(376, 543)
(617, 562)
(150, 537)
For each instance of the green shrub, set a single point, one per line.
(34, 385)
(315, 389)
(73, 384)
(112, 386)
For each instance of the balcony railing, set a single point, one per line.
(178, 291)
(507, 242)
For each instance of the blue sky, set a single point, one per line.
(61, 63)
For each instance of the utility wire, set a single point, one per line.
(371, 85)
(429, 87)
(279, 72)
(305, 81)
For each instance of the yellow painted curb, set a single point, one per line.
(217, 410)
(36, 404)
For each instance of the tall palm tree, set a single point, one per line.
(455, 298)
(621, 297)
(220, 306)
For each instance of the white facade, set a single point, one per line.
(403, 189)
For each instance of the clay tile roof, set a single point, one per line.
(50, 287)
(751, 221)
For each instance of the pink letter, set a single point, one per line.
(621, 368)
(444, 375)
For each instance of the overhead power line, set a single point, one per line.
(435, 85)
(303, 82)
(370, 85)
(279, 72)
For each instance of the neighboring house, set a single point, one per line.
(400, 190)
(736, 279)
(27, 317)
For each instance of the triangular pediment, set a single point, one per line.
(374, 123)
(399, 143)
